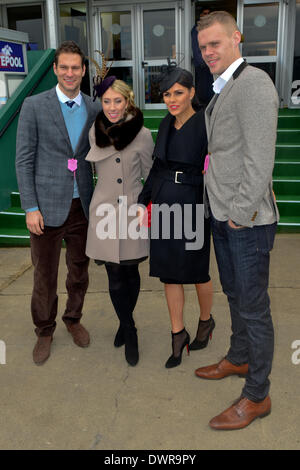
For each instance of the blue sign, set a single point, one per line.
(11, 57)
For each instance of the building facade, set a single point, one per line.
(138, 36)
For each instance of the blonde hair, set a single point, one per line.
(222, 17)
(121, 87)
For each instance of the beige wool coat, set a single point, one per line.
(119, 174)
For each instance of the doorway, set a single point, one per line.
(225, 5)
(259, 22)
(263, 26)
(28, 19)
(137, 39)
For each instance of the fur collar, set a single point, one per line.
(119, 135)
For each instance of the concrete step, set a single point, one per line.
(288, 224)
(13, 217)
(283, 185)
(287, 151)
(289, 122)
(14, 237)
(288, 136)
(286, 168)
(288, 205)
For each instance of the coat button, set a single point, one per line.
(254, 216)
(118, 160)
(119, 180)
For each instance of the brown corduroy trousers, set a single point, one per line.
(45, 253)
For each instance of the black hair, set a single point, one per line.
(186, 79)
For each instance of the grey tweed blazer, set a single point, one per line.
(42, 152)
(241, 128)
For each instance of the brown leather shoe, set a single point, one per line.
(241, 414)
(41, 350)
(80, 335)
(220, 370)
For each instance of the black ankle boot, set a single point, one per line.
(131, 345)
(119, 338)
(179, 341)
(204, 332)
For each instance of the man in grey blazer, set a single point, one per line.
(56, 185)
(241, 122)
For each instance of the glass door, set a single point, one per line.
(159, 40)
(138, 39)
(259, 22)
(113, 36)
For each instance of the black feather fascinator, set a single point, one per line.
(100, 80)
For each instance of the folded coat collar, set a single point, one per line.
(118, 135)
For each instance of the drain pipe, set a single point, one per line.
(187, 33)
(52, 24)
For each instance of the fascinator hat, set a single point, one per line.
(171, 74)
(100, 80)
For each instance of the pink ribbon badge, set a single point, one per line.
(206, 163)
(72, 165)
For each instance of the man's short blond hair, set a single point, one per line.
(222, 17)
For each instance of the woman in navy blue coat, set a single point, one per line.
(175, 187)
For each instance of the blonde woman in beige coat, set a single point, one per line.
(121, 150)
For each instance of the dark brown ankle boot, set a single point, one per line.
(42, 349)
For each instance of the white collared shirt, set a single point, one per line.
(221, 81)
(63, 98)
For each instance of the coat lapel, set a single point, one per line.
(95, 156)
(56, 114)
(99, 156)
(208, 113)
(217, 100)
(160, 148)
(88, 123)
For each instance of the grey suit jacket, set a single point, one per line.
(241, 128)
(42, 152)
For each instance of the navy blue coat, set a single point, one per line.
(178, 150)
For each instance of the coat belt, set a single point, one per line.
(179, 177)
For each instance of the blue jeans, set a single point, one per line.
(243, 258)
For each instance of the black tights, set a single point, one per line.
(124, 287)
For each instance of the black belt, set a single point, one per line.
(179, 177)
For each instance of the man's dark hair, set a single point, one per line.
(69, 47)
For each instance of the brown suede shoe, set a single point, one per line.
(241, 414)
(41, 350)
(80, 335)
(220, 370)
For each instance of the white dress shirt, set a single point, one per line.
(221, 81)
(63, 98)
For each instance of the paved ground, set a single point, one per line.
(91, 399)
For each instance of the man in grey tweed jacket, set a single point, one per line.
(241, 121)
(53, 130)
